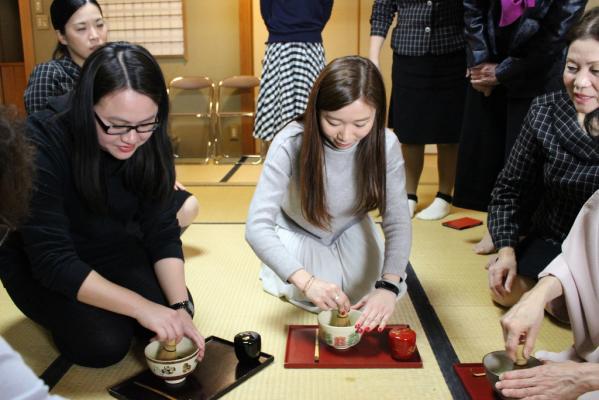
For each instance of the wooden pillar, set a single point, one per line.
(27, 35)
(246, 68)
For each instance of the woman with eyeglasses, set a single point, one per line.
(99, 260)
(81, 29)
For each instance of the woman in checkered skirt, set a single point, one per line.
(294, 57)
(427, 77)
(556, 156)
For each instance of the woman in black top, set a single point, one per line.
(81, 29)
(515, 52)
(99, 260)
(556, 156)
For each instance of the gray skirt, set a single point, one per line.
(354, 262)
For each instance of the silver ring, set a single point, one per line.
(336, 297)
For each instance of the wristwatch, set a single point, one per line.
(187, 305)
(387, 285)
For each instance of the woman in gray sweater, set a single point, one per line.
(308, 221)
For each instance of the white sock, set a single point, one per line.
(412, 207)
(566, 355)
(438, 209)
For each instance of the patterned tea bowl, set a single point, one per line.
(173, 371)
(338, 337)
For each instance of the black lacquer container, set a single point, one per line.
(247, 346)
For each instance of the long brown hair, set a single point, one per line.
(340, 83)
(16, 167)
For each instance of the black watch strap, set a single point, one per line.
(382, 284)
(187, 305)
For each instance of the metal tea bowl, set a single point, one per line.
(497, 362)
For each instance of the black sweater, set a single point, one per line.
(295, 20)
(63, 240)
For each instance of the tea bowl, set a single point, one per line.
(339, 337)
(173, 371)
(498, 362)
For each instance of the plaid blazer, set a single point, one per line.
(554, 157)
(53, 78)
(423, 26)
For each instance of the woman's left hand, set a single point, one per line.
(192, 332)
(563, 380)
(377, 307)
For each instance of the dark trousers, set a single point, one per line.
(490, 128)
(84, 334)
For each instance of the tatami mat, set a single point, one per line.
(33, 342)
(222, 204)
(197, 174)
(455, 281)
(222, 273)
(247, 174)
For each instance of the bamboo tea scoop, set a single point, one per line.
(340, 318)
(167, 351)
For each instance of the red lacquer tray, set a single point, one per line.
(478, 387)
(371, 352)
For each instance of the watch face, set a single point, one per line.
(190, 308)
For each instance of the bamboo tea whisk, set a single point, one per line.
(339, 318)
(167, 351)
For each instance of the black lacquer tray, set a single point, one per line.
(218, 373)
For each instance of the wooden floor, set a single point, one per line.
(222, 273)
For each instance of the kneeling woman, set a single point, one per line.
(308, 221)
(99, 259)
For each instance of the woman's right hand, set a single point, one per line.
(168, 324)
(327, 296)
(502, 271)
(526, 316)
(524, 319)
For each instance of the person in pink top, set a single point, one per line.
(569, 283)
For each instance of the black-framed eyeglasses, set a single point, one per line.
(125, 129)
(5, 229)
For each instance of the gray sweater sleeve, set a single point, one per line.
(397, 225)
(266, 205)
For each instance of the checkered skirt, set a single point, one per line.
(288, 73)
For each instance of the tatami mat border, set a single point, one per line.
(435, 333)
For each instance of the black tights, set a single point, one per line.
(84, 334)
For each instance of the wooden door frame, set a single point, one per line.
(246, 67)
(27, 35)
